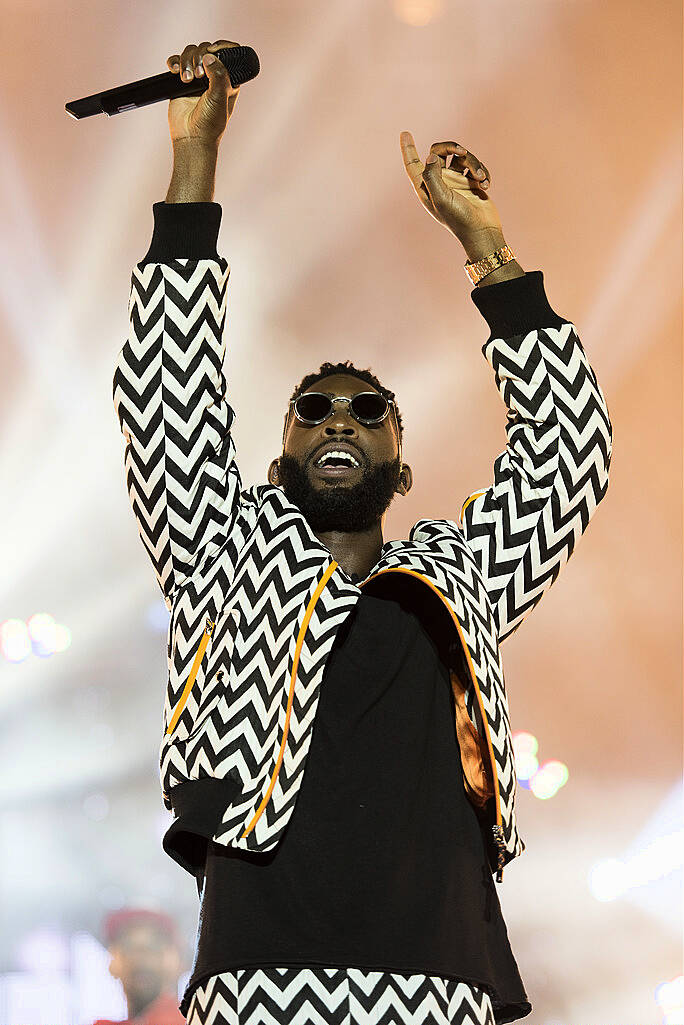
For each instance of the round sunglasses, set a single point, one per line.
(368, 407)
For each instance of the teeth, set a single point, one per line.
(336, 453)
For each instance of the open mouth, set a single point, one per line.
(335, 472)
(336, 464)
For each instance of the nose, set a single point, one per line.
(338, 425)
(341, 421)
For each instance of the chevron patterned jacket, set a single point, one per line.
(256, 600)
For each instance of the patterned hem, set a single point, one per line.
(336, 996)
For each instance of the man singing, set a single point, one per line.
(337, 749)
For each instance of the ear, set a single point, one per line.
(405, 480)
(273, 475)
(113, 967)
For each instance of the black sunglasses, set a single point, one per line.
(368, 407)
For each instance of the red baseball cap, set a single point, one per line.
(118, 921)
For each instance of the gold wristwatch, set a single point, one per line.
(479, 269)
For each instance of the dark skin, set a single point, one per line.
(146, 964)
(357, 551)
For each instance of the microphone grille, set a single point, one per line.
(241, 63)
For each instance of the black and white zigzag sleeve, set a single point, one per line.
(554, 470)
(170, 397)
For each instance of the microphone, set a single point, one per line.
(241, 63)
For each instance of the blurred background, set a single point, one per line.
(576, 109)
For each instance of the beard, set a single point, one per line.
(345, 507)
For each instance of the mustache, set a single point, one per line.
(347, 508)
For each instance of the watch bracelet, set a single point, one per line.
(479, 269)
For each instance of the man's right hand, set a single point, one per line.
(202, 118)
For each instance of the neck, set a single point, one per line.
(137, 1005)
(356, 552)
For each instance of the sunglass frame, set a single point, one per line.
(342, 398)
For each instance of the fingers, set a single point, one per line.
(432, 178)
(462, 161)
(476, 170)
(189, 64)
(444, 148)
(222, 44)
(219, 79)
(198, 66)
(412, 162)
(466, 163)
(415, 168)
(182, 64)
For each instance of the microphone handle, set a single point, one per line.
(150, 90)
(241, 62)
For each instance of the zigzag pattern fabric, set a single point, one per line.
(550, 478)
(256, 599)
(336, 996)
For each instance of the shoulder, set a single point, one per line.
(435, 530)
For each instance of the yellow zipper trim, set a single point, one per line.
(468, 501)
(293, 676)
(208, 631)
(419, 576)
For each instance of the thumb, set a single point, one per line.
(217, 75)
(432, 177)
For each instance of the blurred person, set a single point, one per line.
(146, 957)
(337, 750)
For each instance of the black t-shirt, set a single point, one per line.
(383, 863)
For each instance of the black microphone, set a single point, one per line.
(241, 63)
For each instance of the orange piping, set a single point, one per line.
(208, 631)
(413, 573)
(293, 676)
(468, 501)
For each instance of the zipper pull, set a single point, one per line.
(209, 626)
(497, 830)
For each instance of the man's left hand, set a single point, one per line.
(457, 195)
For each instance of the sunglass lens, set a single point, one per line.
(311, 406)
(369, 406)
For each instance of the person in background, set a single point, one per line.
(147, 955)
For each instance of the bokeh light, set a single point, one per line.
(43, 632)
(548, 779)
(670, 999)
(40, 636)
(545, 781)
(417, 12)
(525, 747)
(15, 640)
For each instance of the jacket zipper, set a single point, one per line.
(497, 828)
(208, 631)
(293, 676)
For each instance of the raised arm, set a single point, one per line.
(551, 476)
(169, 387)
(554, 470)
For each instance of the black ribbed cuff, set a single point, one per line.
(516, 306)
(199, 805)
(184, 231)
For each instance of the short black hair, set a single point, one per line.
(328, 369)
